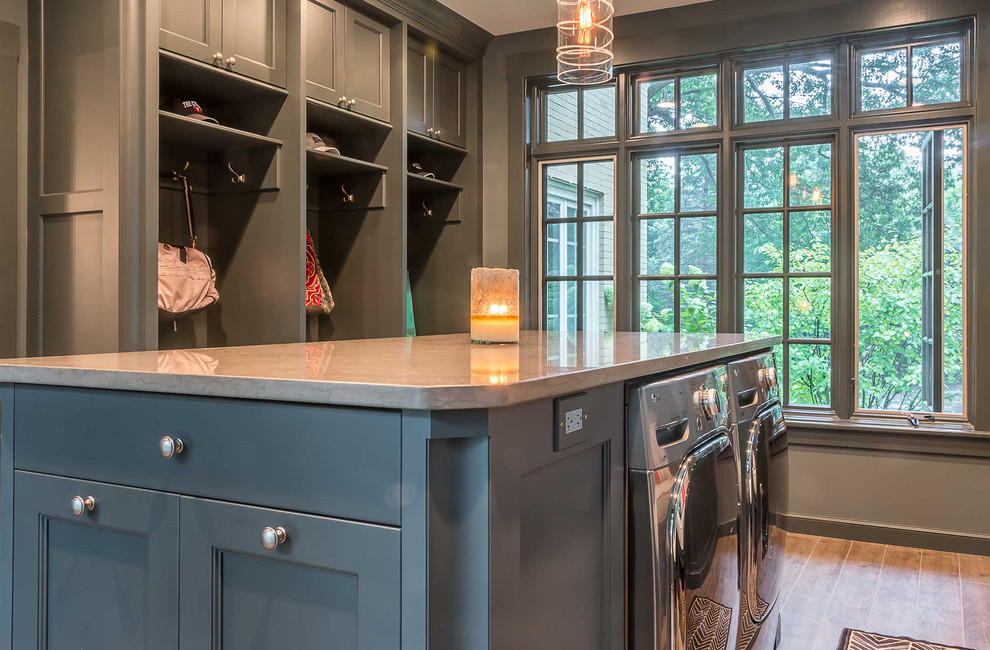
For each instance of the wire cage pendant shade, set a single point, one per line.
(584, 41)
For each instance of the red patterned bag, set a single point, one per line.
(318, 297)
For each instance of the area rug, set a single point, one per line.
(708, 625)
(859, 640)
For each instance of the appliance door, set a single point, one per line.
(702, 546)
(765, 494)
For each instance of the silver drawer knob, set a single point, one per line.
(169, 446)
(218, 57)
(231, 61)
(352, 102)
(272, 537)
(80, 505)
(342, 101)
(437, 133)
(430, 131)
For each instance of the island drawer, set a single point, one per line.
(342, 462)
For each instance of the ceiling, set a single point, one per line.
(508, 16)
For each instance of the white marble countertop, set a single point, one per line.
(426, 372)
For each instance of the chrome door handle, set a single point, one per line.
(169, 446)
(272, 537)
(80, 505)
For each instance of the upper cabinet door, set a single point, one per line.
(325, 34)
(192, 27)
(419, 84)
(254, 39)
(368, 65)
(450, 100)
(100, 573)
(270, 579)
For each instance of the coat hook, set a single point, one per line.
(348, 197)
(237, 178)
(427, 212)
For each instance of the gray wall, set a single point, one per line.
(13, 173)
(897, 484)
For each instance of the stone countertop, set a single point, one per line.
(426, 372)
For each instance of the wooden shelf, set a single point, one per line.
(206, 136)
(185, 78)
(327, 164)
(321, 116)
(421, 143)
(423, 185)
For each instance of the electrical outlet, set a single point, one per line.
(573, 421)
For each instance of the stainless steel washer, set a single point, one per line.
(684, 501)
(760, 437)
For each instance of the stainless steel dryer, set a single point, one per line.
(684, 502)
(760, 438)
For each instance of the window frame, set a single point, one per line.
(676, 73)
(785, 210)
(579, 278)
(785, 58)
(638, 216)
(543, 129)
(881, 415)
(911, 40)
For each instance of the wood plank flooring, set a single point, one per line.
(831, 584)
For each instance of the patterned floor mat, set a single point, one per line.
(859, 640)
(708, 625)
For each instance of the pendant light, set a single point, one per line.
(584, 41)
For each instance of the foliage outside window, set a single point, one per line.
(677, 215)
(910, 215)
(578, 242)
(787, 90)
(580, 113)
(676, 102)
(910, 75)
(787, 260)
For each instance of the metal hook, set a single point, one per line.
(348, 197)
(238, 178)
(427, 212)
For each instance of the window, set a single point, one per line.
(579, 241)
(677, 215)
(936, 75)
(787, 260)
(838, 226)
(676, 102)
(789, 89)
(580, 113)
(910, 270)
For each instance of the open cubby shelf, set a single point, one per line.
(321, 116)
(184, 78)
(423, 185)
(206, 136)
(326, 164)
(419, 143)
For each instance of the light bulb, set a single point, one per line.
(585, 22)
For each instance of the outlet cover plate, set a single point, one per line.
(570, 421)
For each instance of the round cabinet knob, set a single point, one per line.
(342, 101)
(81, 505)
(232, 61)
(436, 133)
(767, 377)
(352, 102)
(430, 131)
(272, 537)
(169, 446)
(218, 57)
(708, 401)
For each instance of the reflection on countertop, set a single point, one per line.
(427, 372)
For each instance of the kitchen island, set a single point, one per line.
(371, 494)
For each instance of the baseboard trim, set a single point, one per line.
(937, 540)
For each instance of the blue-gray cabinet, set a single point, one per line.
(259, 578)
(95, 565)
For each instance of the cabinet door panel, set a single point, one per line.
(419, 85)
(450, 99)
(254, 34)
(325, 29)
(331, 584)
(368, 65)
(105, 579)
(191, 27)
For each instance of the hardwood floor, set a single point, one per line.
(831, 584)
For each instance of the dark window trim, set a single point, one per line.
(676, 73)
(785, 58)
(547, 89)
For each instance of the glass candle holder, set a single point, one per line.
(494, 305)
